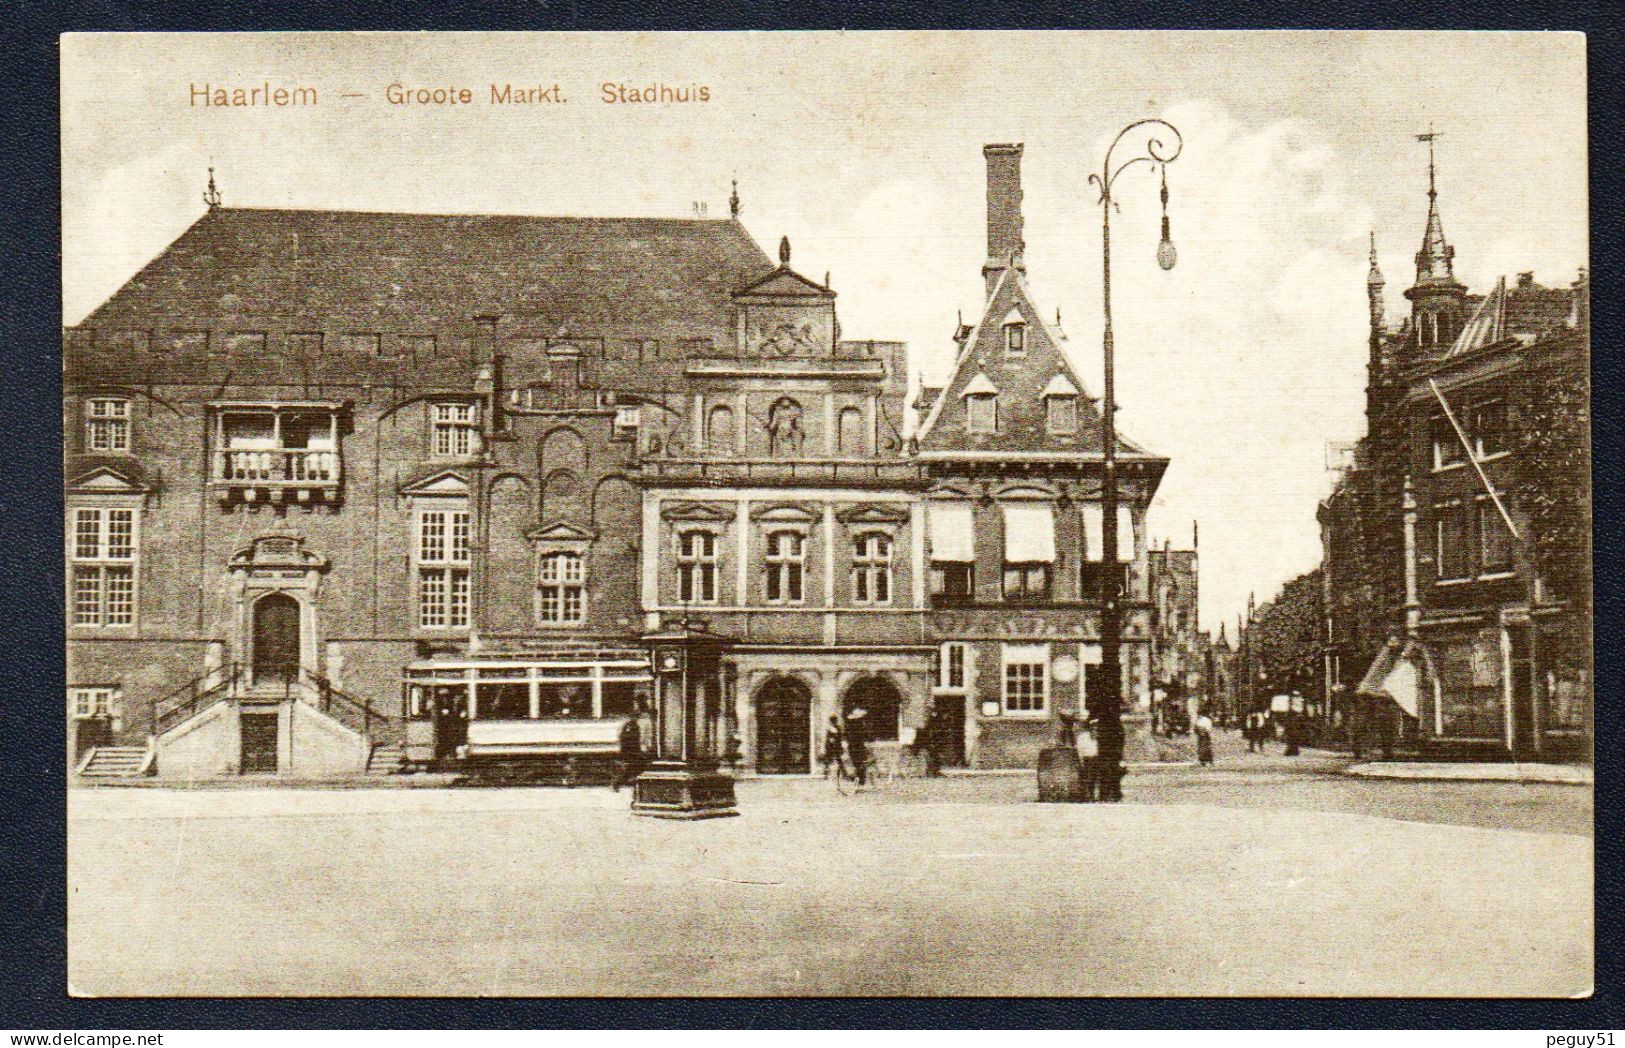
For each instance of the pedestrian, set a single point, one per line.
(1204, 739)
(1088, 763)
(857, 743)
(633, 755)
(831, 754)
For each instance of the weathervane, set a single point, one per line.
(211, 196)
(1428, 137)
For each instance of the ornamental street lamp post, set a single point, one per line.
(1158, 156)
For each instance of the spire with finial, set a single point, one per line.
(211, 195)
(1435, 262)
(1373, 288)
(733, 200)
(784, 252)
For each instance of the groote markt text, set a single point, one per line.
(609, 92)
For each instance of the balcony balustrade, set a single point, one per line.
(276, 474)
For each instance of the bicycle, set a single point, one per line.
(846, 776)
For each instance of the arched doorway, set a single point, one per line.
(783, 728)
(276, 639)
(878, 696)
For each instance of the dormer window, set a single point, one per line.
(981, 405)
(1061, 405)
(1015, 334)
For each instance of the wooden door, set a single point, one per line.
(276, 639)
(783, 729)
(948, 730)
(259, 743)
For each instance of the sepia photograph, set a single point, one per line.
(814, 514)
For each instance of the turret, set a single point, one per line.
(1437, 298)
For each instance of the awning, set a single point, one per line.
(1094, 531)
(1029, 532)
(1393, 675)
(953, 532)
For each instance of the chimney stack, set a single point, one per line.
(1004, 243)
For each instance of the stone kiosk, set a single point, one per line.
(692, 718)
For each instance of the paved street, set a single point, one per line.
(1273, 878)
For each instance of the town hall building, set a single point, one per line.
(352, 491)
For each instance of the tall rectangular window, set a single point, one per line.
(107, 424)
(1026, 678)
(871, 569)
(951, 666)
(786, 567)
(1450, 540)
(103, 555)
(563, 588)
(697, 567)
(1489, 428)
(455, 430)
(1494, 540)
(442, 568)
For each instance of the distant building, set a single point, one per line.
(1456, 548)
(1179, 670)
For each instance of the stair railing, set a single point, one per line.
(193, 697)
(343, 706)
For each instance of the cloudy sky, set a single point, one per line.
(865, 149)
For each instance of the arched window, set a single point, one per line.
(697, 567)
(719, 430)
(849, 427)
(562, 579)
(786, 567)
(871, 568)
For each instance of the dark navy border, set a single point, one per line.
(32, 917)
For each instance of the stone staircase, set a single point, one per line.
(116, 762)
(386, 759)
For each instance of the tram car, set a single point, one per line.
(552, 719)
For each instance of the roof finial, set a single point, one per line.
(211, 196)
(784, 251)
(733, 200)
(1373, 277)
(1434, 263)
(826, 278)
(1428, 138)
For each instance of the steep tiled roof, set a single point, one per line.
(416, 268)
(1523, 311)
(1021, 381)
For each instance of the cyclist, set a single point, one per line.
(857, 743)
(830, 757)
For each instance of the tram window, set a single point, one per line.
(618, 698)
(567, 700)
(504, 701)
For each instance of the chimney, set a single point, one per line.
(1004, 243)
